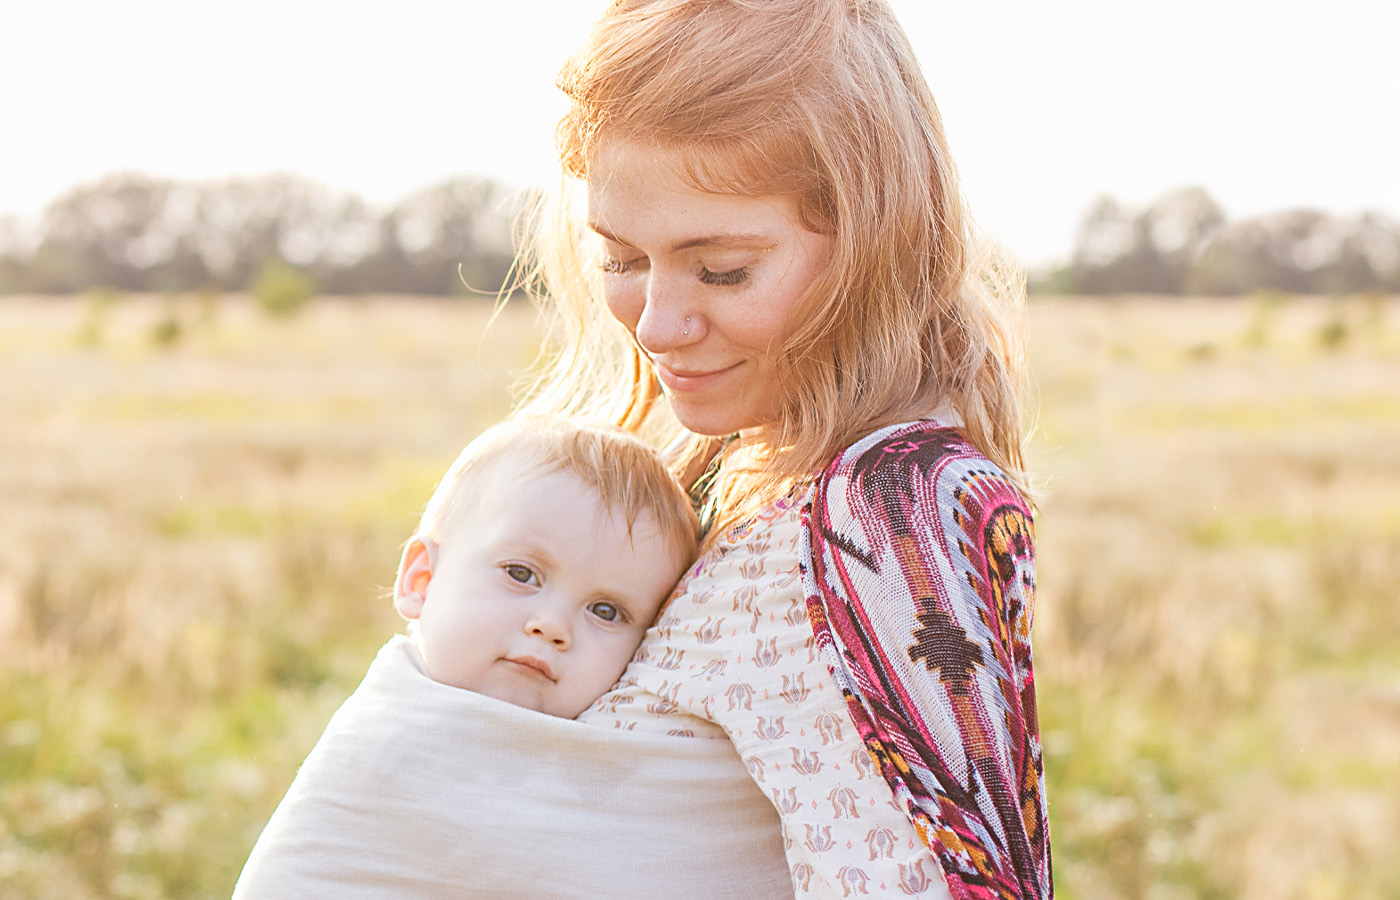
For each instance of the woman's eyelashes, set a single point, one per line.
(704, 274)
(724, 279)
(612, 266)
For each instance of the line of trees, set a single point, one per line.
(137, 233)
(132, 232)
(1183, 244)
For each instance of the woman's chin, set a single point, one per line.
(715, 419)
(711, 426)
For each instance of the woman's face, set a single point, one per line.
(705, 282)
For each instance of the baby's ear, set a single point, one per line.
(415, 573)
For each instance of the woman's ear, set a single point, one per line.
(415, 573)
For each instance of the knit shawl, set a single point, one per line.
(919, 571)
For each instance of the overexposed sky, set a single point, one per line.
(1047, 104)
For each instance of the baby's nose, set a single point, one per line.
(550, 624)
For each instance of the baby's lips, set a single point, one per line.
(534, 664)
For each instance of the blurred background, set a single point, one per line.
(247, 259)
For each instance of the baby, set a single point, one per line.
(540, 561)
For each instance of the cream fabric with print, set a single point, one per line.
(419, 790)
(733, 654)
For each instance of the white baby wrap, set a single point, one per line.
(420, 790)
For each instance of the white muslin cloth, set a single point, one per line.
(421, 790)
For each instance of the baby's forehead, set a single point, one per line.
(623, 480)
(558, 520)
(503, 482)
(517, 475)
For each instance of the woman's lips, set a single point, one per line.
(533, 665)
(690, 380)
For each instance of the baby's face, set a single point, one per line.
(541, 597)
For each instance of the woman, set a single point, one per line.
(774, 221)
(773, 276)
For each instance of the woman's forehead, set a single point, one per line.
(759, 163)
(659, 163)
(635, 186)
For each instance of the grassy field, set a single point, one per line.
(202, 509)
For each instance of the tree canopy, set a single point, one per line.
(133, 232)
(1184, 244)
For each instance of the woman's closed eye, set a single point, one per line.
(608, 612)
(705, 275)
(521, 573)
(728, 278)
(612, 266)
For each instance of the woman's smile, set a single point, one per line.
(682, 379)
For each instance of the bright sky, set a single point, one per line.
(1047, 103)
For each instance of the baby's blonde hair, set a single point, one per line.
(627, 475)
(824, 101)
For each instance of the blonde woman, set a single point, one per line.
(775, 275)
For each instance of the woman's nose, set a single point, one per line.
(551, 624)
(668, 319)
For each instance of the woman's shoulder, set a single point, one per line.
(928, 462)
(894, 446)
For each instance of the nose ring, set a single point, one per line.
(686, 330)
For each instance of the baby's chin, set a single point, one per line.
(562, 699)
(567, 698)
(549, 699)
(525, 699)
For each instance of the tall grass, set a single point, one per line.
(195, 540)
(1218, 636)
(198, 531)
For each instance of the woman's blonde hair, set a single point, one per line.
(822, 100)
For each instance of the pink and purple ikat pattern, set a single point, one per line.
(920, 579)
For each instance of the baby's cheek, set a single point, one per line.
(415, 637)
(625, 652)
(609, 663)
(444, 662)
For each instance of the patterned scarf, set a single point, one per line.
(919, 571)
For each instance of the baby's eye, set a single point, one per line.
(606, 611)
(520, 573)
(725, 279)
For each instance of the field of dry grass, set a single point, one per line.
(203, 506)
(1219, 637)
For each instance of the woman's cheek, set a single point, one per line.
(626, 303)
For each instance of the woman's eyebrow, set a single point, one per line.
(725, 238)
(606, 234)
(722, 239)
